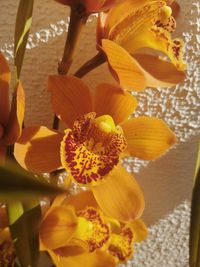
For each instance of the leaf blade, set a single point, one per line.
(22, 28)
(17, 184)
(195, 218)
(25, 233)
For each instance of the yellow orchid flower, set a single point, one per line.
(10, 119)
(92, 147)
(90, 6)
(75, 230)
(129, 33)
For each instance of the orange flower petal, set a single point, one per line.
(58, 227)
(148, 138)
(57, 202)
(90, 5)
(139, 16)
(70, 98)
(99, 5)
(111, 3)
(66, 2)
(38, 149)
(4, 90)
(111, 100)
(70, 257)
(119, 12)
(81, 200)
(93, 6)
(139, 229)
(14, 127)
(120, 196)
(159, 72)
(124, 68)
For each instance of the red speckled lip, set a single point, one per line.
(121, 245)
(100, 231)
(88, 153)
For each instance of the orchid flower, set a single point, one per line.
(100, 134)
(75, 230)
(129, 33)
(10, 118)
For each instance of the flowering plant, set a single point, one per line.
(99, 222)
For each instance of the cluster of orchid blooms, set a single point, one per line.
(99, 225)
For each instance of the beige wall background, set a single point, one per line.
(167, 182)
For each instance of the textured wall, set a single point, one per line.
(166, 182)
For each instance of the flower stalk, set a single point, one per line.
(78, 19)
(90, 65)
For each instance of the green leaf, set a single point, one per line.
(22, 28)
(15, 210)
(24, 228)
(195, 219)
(17, 184)
(21, 191)
(197, 162)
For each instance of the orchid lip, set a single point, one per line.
(92, 228)
(92, 148)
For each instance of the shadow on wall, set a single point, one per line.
(167, 181)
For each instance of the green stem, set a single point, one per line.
(90, 65)
(78, 19)
(195, 224)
